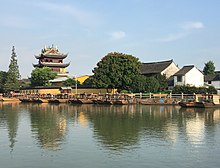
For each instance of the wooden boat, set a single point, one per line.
(98, 101)
(202, 101)
(58, 101)
(25, 100)
(157, 101)
(39, 100)
(84, 101)
(9, 99)
(187, 104)
(121, 102)
(198, 104)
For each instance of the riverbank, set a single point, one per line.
(111, 99)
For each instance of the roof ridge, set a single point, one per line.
(171, 60)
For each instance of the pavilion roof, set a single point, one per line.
(51, 52)
(51, 64)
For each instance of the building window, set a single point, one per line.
(209, 82)
(179, 78)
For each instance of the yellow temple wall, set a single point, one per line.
(93, 90)
(58, 90)
(41, 91)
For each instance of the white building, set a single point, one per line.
(213, 80)
(189, 75)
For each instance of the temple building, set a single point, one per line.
(52, 58)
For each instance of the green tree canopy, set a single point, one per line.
(3, 78)
(162, 82)
(41, 76)
(13, 75)
(146, 84)
(71, 82)
(209, 68)
(116, 70)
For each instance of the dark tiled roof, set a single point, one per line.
(215, 77)
(51, 64)
(154, 67)
(209, 78)
(60, 56)
(184, 70)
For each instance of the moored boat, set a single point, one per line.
(39, 100)
(202, 101)
(9, 99)
(121, 102)
(58, 101)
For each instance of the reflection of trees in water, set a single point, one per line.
(119, 127)
(9, 115)
(48, 124)
(116, 126)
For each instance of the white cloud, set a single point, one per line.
(186, 27)
(118, 35)
(192, 25)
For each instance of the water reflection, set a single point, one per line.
(48, 124)
(115, 128)
(9, 119)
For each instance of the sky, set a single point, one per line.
(187, 31)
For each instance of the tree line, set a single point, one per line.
(115, 70)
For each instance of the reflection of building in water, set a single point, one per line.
(172, 132)
(216, 115)
(82, 119)
(195, 129)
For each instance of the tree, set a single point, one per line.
(162, 82)
(13, 75)
(152, 85)
(145, 84)
(116, 70)
(41, 76)
(70, 82)
(3, 78)
(209, 68)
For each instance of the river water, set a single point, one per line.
(108, 136)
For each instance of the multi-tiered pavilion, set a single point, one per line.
(52, 58)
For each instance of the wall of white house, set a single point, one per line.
(216, 84)
(170, 70)
(194, 78)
